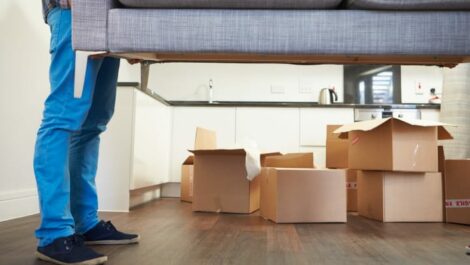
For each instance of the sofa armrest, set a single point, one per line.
(89, 24)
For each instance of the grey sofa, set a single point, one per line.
(292, 31)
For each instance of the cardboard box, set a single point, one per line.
(187, 174)
(351, 187)
(205, 139)
(292, 160)
(441, 167)
(220, 183)
(265, 155)
(295, 195)
(400, 196)
(457, 184)
(394, 144)
(336, 149)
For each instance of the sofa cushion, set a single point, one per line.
(410, 4)
(239, 4)
(293, 32)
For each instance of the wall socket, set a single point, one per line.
(305, 90)
(277, 89)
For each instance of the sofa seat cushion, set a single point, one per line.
(238, 4)
(410, 4)
(323, 32)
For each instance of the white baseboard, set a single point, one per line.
(16, 204)
(171, 190)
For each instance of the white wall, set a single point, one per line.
(24, 76)
(244, 82)
(426, 76)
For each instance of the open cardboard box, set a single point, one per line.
(220, 178)
(292, 194)
(400, 196)
(457, 191)
(394, 144)
(336, 148)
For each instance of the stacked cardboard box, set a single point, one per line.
(292, 191)
(337, 158)
(399, 181)
(457, 191)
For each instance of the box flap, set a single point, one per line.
(442, 133)
(293, 160)
(369, 125)
(265, 155)
(189, 160)
(219, 152)
(205, 139)
(330, 132)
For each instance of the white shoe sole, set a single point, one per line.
(114, 242)
(100, 260)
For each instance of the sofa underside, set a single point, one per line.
(288, 33)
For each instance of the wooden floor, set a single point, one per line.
(172, 234)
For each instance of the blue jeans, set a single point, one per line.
(66, 152)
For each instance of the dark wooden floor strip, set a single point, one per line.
(173, 234)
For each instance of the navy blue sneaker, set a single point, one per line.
(104, 233)
(70, 250)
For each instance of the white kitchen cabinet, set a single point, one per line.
(313, 122)
(430, 114)
(135, 149)
(185, 121)
(273, 129)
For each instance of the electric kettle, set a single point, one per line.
(327, 96)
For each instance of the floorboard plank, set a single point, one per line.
(173, 234)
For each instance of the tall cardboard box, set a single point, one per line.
(400, 196)
(394, 144)
(336, 148)
(220, 178)
(220, 183)
(187, 176)
(205, 139)
(442, 165)
(296, 195)
(457, 185)
(351, 187)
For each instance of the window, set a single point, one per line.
(372, 84)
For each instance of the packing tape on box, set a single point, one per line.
(459, 203)
(351, 185)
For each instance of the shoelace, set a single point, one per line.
(109, 226)
(73, 240)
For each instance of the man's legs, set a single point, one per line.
(63, 115)
(84, 147)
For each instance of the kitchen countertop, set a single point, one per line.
(298, 105)
(182, 103)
